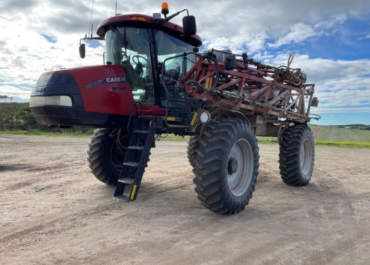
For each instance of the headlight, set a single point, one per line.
(37, 101)
(204, 117)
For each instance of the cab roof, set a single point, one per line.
(138, 20)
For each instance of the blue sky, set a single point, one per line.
(330, 40)
(343, 118)
(349, 40)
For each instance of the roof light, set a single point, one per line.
(165, 9)
(157, 15)
(138, 18)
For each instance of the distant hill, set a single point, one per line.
(355, 126)
(340, 133)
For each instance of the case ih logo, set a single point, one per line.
(109, 72)
(108, 80)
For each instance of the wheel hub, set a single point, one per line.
(305, 157)
(240, 165)
(232, 166)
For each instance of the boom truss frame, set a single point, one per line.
(223, 78)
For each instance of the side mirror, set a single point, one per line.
(82, 50)
(189, 25)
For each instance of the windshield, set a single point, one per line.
(169, 47)
(175, 63)
(130, 47)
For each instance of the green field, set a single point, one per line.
(17, 119)
(350, 133)
(261, 140)
(67, 132)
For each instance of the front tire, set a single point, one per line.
(226, 165)
(106, 153)
(297, 155)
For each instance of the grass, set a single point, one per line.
(172, 137)
(14, 115)
(45, 133)
(338, 134)
(344, 144)
(273, 140)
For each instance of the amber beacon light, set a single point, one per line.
(165, 10)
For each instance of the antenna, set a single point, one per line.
(92, 18)
(116, 9)
(92, 28)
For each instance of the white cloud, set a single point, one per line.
(330, 23)
(340, 85)
(298, 32)
(26, 54)
(236, 25)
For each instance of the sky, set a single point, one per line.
(330, 40)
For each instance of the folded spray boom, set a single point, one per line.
(220, 77)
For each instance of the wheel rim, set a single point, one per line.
(305, 157)
(240, 167)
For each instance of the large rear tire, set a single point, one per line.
(297, 155)
(106, 153)
(226, 165)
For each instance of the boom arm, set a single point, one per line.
(236, 81)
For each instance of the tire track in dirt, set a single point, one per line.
(59, 214)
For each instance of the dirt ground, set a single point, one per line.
(53, 211)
